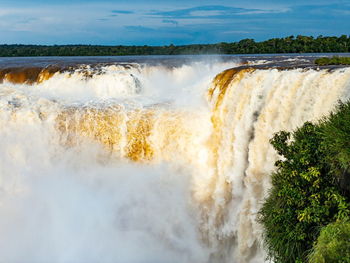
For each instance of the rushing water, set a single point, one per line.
(147, 159)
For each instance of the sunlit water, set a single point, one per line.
(146, 159)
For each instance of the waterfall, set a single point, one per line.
(140, 163)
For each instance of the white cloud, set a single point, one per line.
(236, 32)
(206, 13)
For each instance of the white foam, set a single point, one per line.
(74, 200)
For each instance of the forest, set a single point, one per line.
(290, 44)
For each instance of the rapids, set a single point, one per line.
(136, 162)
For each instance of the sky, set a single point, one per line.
(164, 22)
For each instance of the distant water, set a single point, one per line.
(165, 60)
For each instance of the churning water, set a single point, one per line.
(135, 162)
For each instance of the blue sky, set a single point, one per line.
(156, 22)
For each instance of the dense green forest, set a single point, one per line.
(291, 44)
(306, 215)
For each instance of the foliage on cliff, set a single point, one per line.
(333, 61)
(333, 244)
(291, 44)
(336, 142)
(310, 188)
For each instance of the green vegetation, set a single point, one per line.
(291, 44)
(333, 61)
(333, 244)
(310, 188)
(336, 137)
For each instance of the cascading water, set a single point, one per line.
(146, 163)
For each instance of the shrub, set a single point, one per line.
(333, 244)
(335, 60)
(336, 140)
(305, 194)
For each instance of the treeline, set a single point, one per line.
(291, 44)
(306, 216)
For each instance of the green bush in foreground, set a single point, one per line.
(336, 141)
(333, 61)
(305, 194)
(333, 244)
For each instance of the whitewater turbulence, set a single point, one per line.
(146, 163)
